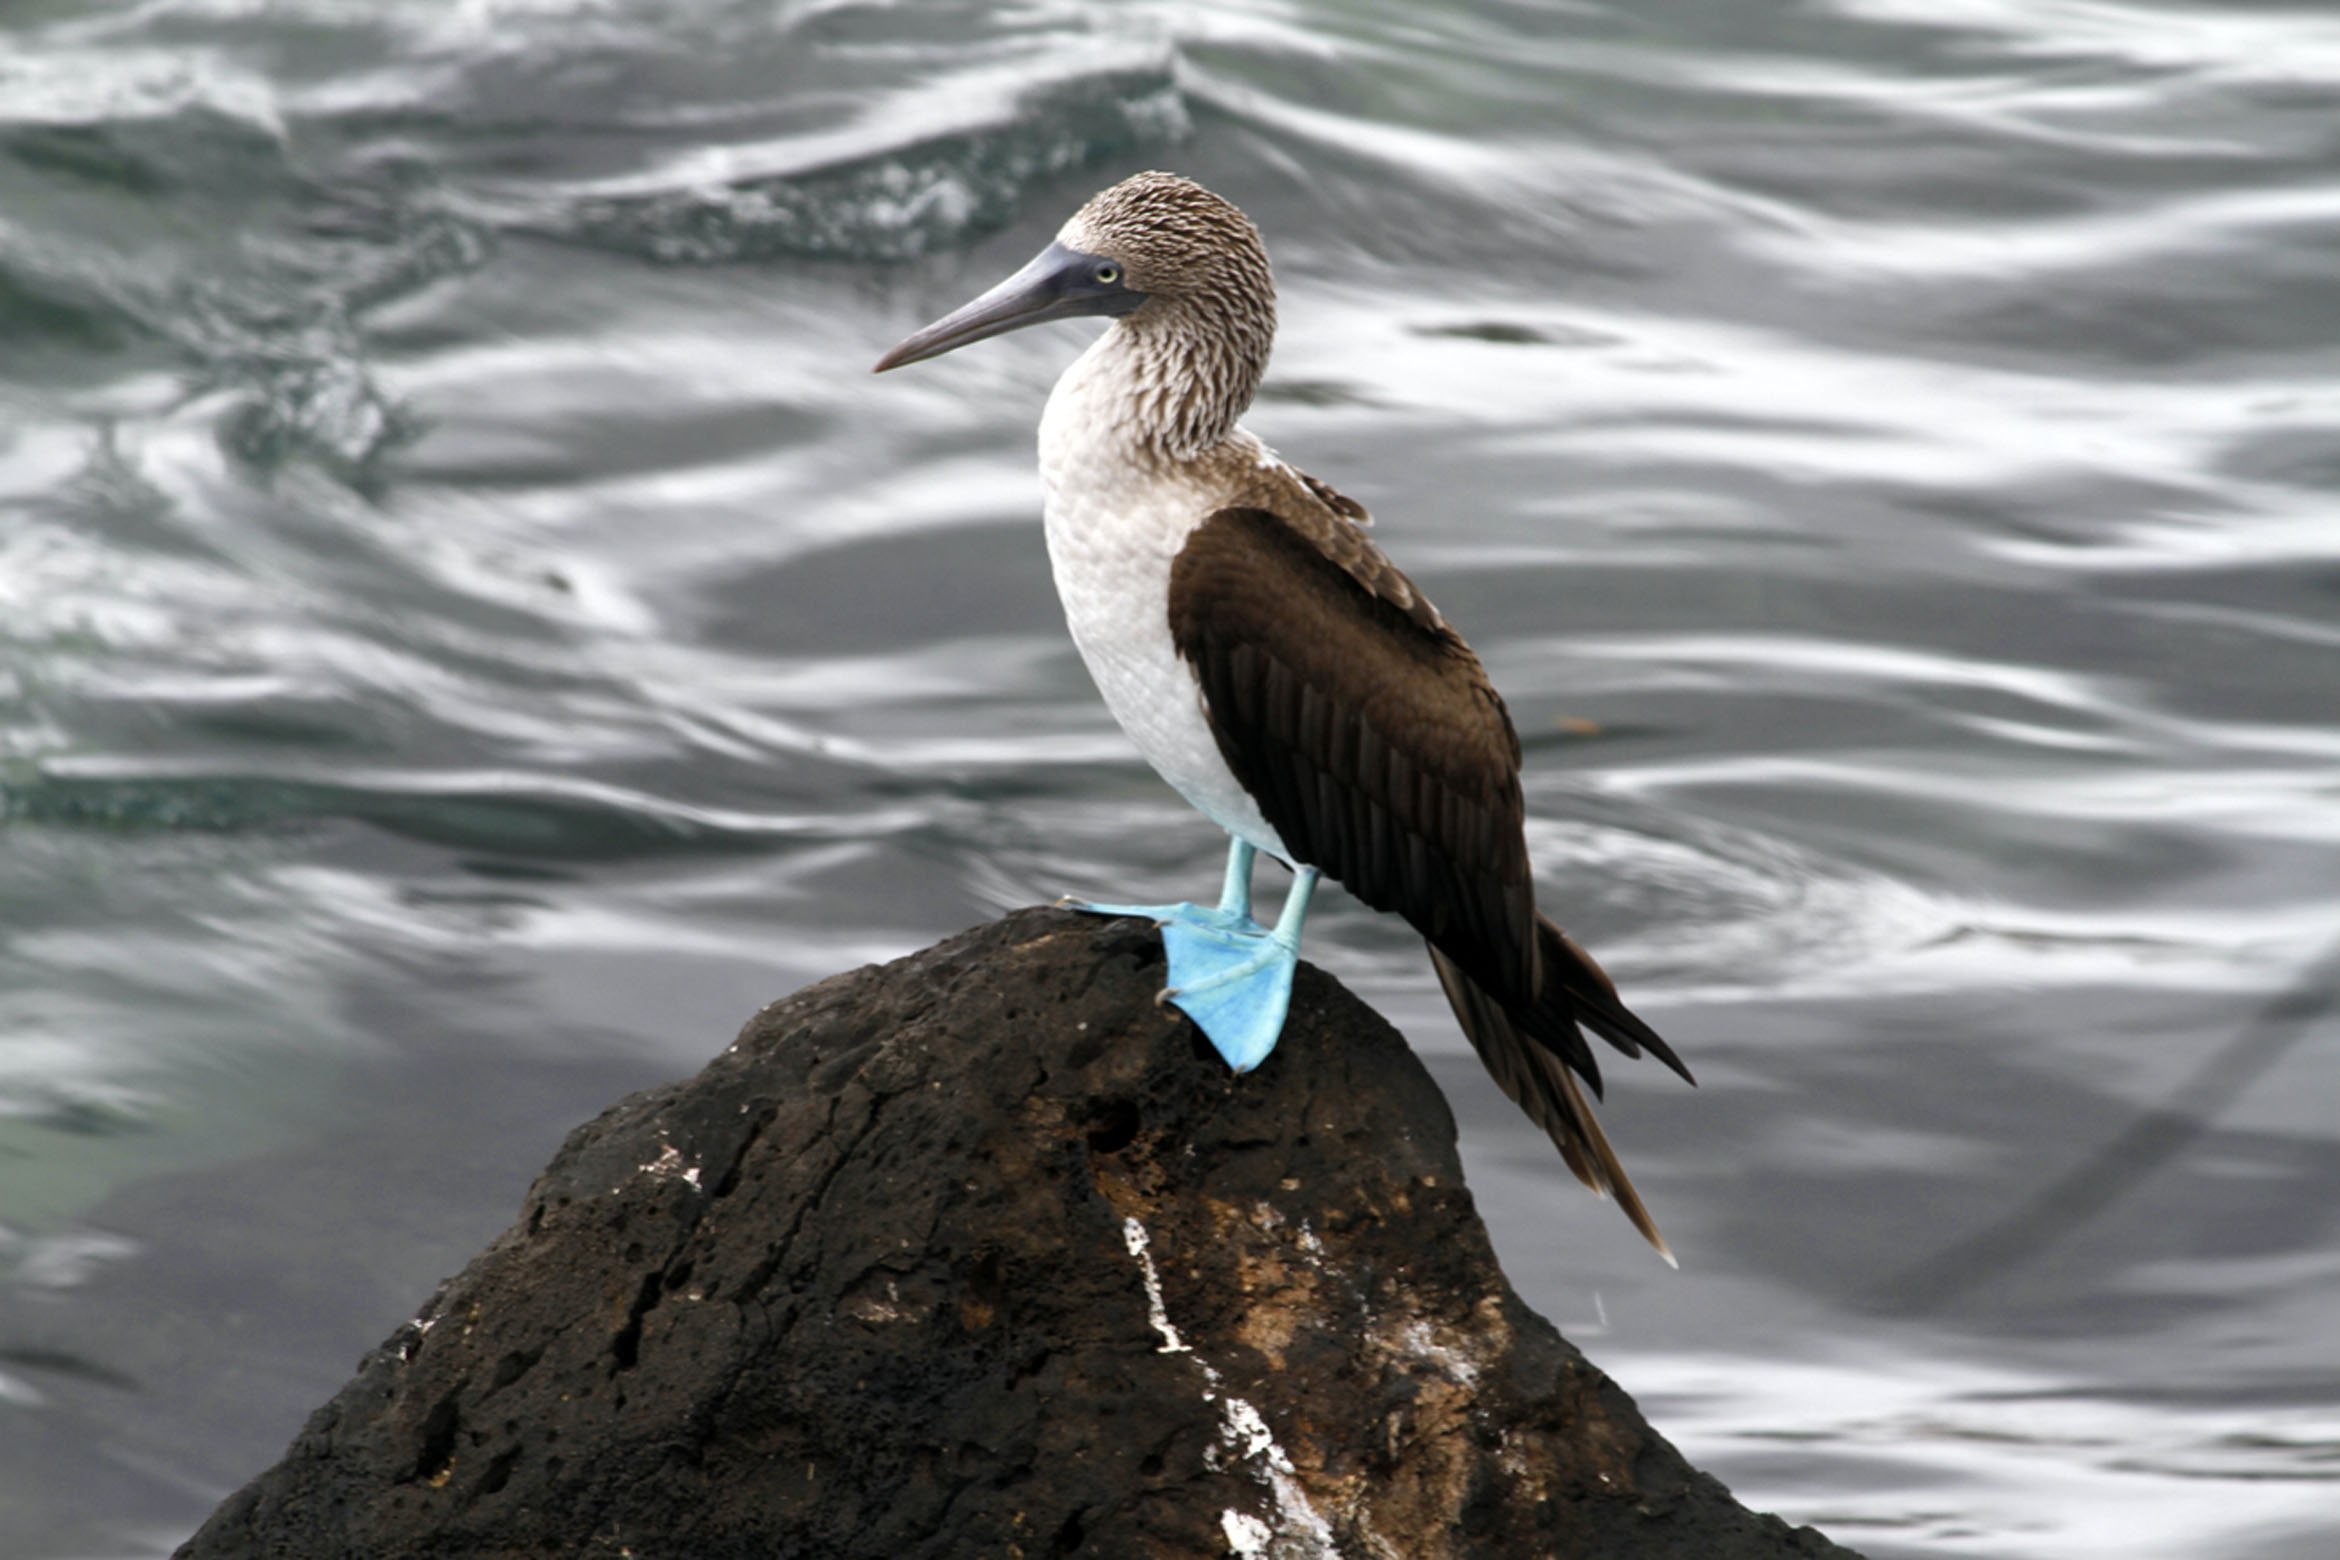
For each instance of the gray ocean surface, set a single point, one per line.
(472, 630)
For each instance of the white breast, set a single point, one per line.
(1115, 521)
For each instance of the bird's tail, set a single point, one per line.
(1535, 1051)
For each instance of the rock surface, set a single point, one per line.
(981, 1253)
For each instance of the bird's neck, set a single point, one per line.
(1164, 385)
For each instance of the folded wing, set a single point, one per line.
(1375, 746)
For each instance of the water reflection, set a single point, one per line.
(2146, 1146)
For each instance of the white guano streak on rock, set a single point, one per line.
(1246, 1534)
(1300, 1531)
(1422, 1343)
(670, 1163)
(1133, 1235)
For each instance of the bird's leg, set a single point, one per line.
(1236, 984)
(1235, 895)
(1233, 914)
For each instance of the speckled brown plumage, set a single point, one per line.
(1210, 314)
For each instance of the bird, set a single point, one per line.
(1278, 670)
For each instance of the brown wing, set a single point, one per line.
(1335, 500)
(1366, 729)
(1377, 749)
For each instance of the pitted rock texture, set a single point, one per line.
(982, 1253)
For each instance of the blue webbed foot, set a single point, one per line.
(1235, 982)
(1228, 973)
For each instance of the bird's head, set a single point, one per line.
(1155, 245)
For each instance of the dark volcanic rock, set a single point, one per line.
(983, 1254)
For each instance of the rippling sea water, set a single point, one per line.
(471, 630)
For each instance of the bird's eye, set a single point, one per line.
(1107, 274)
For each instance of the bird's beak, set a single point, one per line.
(1060, 284)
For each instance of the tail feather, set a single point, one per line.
(1531, 1069)
(1577, 990)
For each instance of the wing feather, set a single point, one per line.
(1367, 729)
(1376, 748)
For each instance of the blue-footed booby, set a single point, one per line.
(1277, 669)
